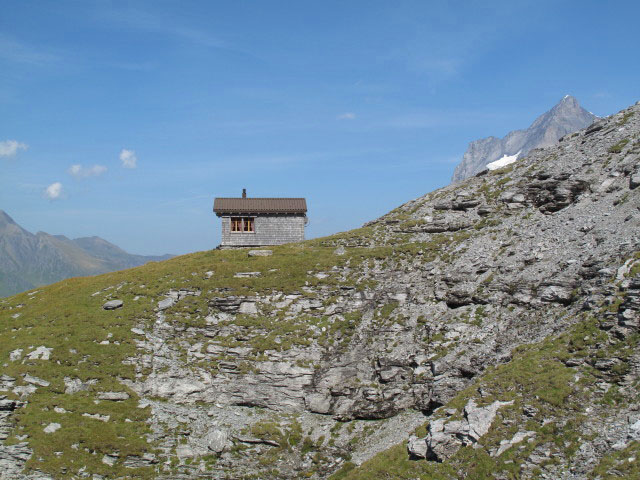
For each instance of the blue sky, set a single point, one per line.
(125, 119)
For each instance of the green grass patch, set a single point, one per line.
(617, 148)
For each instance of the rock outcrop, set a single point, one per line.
(446, 436)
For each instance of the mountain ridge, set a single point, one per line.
(28, 260)
(567, 116)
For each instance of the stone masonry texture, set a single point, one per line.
(269, 230)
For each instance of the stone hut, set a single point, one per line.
(256, 222)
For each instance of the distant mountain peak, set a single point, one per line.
(568, 101)
(5, 219)
(566, 116)
(28, 260)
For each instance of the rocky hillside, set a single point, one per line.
(28, 260)
(567, 116)
(485, 330)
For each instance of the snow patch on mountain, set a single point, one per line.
(504, 161)
(567, 116)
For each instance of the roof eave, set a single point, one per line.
(235, 212)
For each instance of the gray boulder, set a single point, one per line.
(417, 447)
(166, 303)
(446, 436)
(217, 441)
(113, 304)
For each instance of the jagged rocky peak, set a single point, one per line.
(567, 116)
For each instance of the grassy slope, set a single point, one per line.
(69, 318)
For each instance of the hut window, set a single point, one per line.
(242, 224)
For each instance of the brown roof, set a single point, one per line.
(222, 206)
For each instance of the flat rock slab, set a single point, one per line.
(40, 353)
(247, 274)
(248, 308)
(97, 416)
(113, 396)
(256, 441)
(15, 355)
(113, 304)
(166, 303)
(260, 253)
(75, 385)
(52, 427)
(36, 381)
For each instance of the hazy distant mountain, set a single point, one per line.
(28, 260)
(566, 117)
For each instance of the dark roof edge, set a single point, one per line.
(223, 205)
(221, 213)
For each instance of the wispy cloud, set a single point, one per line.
(19, 52)
(347, 116)
(138, 19)
(128, 158)
(53, 191)
(80, 171)
(9, 148)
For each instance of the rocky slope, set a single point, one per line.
(567, 116)
(485, 330)
(28, 260)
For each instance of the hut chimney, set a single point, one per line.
(244, 193)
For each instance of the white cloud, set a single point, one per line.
(347, 116)
(53, 191)
(9, 148)
(79, 171)
(128, 158)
